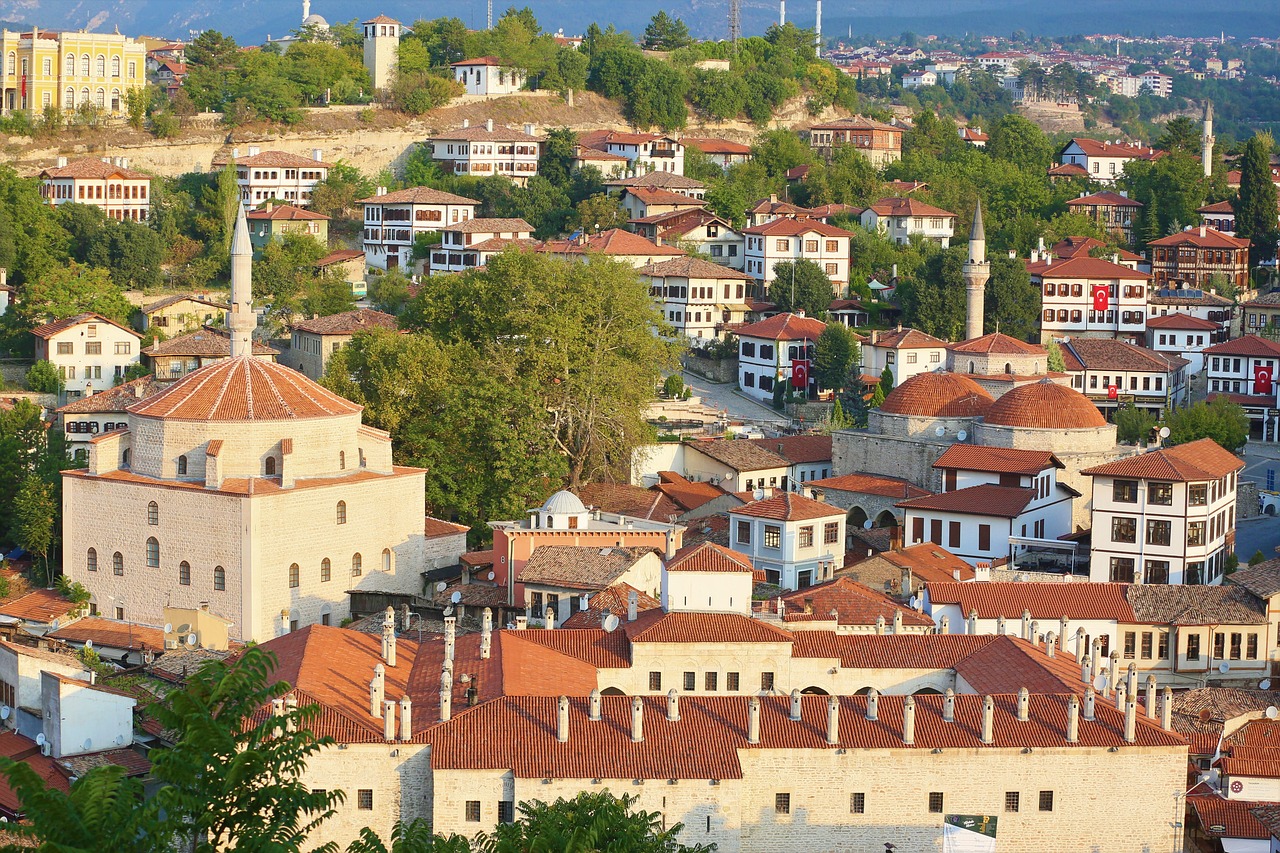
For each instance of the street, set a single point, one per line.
(739, 408)
(1262, 533)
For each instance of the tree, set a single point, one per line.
(559, 150)
(389, 292)
(1012, 302)
(337, 194)
(71, 290)
(837, 351)
(801, 286)
(1223, 421)
(103, 810)
(43, 377)
(34, 513)
(1256, 205)
(414, 837)
(1056, 363)
(886, 380)
(666, 33)
(597, 213)
(1182, 133)
(877, 397)
(1258, 557)
(591, 821)
(1021, 142)
(1134, 425)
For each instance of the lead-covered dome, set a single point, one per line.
(1045, 405)
(564, 502)
(938, 394)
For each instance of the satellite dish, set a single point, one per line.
(191, 640)
(961, 435)
(1224, 667)
(168, 627)
(184, 628)
(40, 739)
(456, 597)
(1099, 682)
(940, 432)
(5, 711)
(1272, 712)
(441, 587)
(610, 623)
(88, 744)
(867, 525)
(1265, 684)
(758, 494)
(1164, 432)
(448, 611)
(119, 740)
(88, 644)
(492, 575)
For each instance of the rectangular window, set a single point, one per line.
(1162, 647)
(831, 533)
(806, 536)
(1158, 532)
(1193, 647)
(690, 681)
(1160, 494)
(1130, 645)
(1198, 494)
(1046, 801)
(782, 803)
(1124, 529)
(1219, 645)
(123, 347)
(1125, 491)
(473, 811)
(935, 531)
(655, 680)
(1236, 642)
(984, 537)
(858, 803)
(1146, 645)
(710, 681)
(506, 811)
(1011, 801)
(935, 802)
(1122, 570)
(65, 349)
(744, 533)
(93, 348)
(766, 681)
(1195, 533)
(953, 534)
(364, 799)
(772, 536)
(1251, 647)
(731, 681)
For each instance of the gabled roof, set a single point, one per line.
(1070, 170)
(693, 268)
(39, 605)
(998, 342)
(660, 196)
(665, 180)
(111, 634)
(788, 506)
(710, 557)
(853, 603)
(856, 123)
(711, 145)
(1203, 459)
(116, 399)
(1249, 345)
(479, 132)
(1106, 354)
(479, 60)
(1045, 601)
(738, 454)
(614, 242)
(907, 207)
(983, 500)
(183, 297)
(1263, 580)
(685, 493)
(1183, 322)
(580, 567)
(929, 563)
(48, 330)
(798, 449)
(418, 195)
(1082, 266)
(1209, 239)
(905, 339)
(795, 228)
(1127, 151)
(286, 213)
(784, 327)
(612, 600)
(703, 628)
(997, 460)
(348, 322)
(625, 499)
(1070, 247)
(1234, 816)
(92, 168)
(207, 343)
(279, 159)
(490, 225)
(1104, 199)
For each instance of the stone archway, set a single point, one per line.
(926, 691)
(857, 517)
(886, 519)
(862, 691)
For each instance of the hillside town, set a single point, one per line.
(762, 444)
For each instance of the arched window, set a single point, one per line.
(117, 564)
(270, 466)
(115, 100)
(92, 560)
(70, 69)
(13, 63)
(84, 93)
(387, 560)
(153, 553)
(294, 572)
(115, 66)
(342, 460)
(101, 66)
(219, 578)
(342, 512)
(84, 65)
(69, 97)
(971, 367)
(182, 465)
(184, 573)
(357, 566)
(1008, 368)
(326, 570)
(100, 97)
(153, 513)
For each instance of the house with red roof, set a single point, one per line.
(1167, 516)
(1105, 161)
(614, 243)
(796, 541)
(905, 352)
(1117, 373)
(488, 77)
(487, 149)
(723, 152)
(279, 175)
(1197, 256)
(1114, 212)
(272, 221)
(393, 221)
(1183, 335)
(89, 351)
(899, 219)
(470, 243)
(105, 183)
(645, 152)
(697, 229)
(775, 351)
(1244, 371)
(879, 142)
(701, 300)
(708, 577)
(790, 240)
(1087, 297)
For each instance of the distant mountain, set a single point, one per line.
(250, 21)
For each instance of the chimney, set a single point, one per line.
(1050, 644)
(873, 704)
(62, 162)
(988, 719)
(673, 706)
(1040, 244)
(949, 706)
(1121, 695)
(317, 154)
(1062, 632)
(1166, 709)
(528, 129)
(944, 624)
(1035, 256)
(637, 720)
(466, 122)
(1201, 230)
(897, 621)
(1113, 670)
(291, 708)
(522, 623)
(254, 151)
(1131, 680)
(633, 605)
(908, 720)
(1131, 721)
(389, 644)
(389, 720)
(277, 707)
(1000, 624)
(1086, 670)
(1024, 705)
(833, 719)
(488, 125)
(1089, 698)
(450, 631)
(906, 582)
(795, 705)
(880, 624)
(376, 696)
(446, 699)
(1026, 624)
(380, 191)
(972, 627)
(781, 606)
(406, 718)
(562, 720)
(486, 633)
(1081, 646)
(1151, 696)
(593, 705)
(549, 621)
(1073, 719)
(753, 719)
(1034, 636)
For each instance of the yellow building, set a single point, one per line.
(68, 69)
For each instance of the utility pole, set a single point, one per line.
(735, 22)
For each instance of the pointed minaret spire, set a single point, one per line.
(976, 272)
(241, 321)
(1206, 141)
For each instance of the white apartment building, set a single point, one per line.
(279, 175)
(1104, 161)
(1116, 373)
(1205, 304)
(645, 152)
(900, 218)
(488, 77)
(699, 230)
(90, 351)
(796, 541)
(905, 352)
(774, 351)
(488, 149)
(1167, 516)
(791, 240)
(1084, 297)
(470, 243)
(1181, 335)
(1244, 371)
(106, 183)
(392, 221)
(698, 298)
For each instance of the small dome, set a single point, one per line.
(564, 503)
(315, 21)
(938, 394)
(1045, 405)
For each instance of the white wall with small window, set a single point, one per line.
(793, 554)
(90, 352)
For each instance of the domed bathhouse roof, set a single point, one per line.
(1045, 405)
(938, 394)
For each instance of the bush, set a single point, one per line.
(1258, 557)
(43, 377)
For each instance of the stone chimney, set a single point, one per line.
(1131, 680)
(833, 719)
(633, 605)
(406, 718)
(897, 621)
(1073, 719)
(908, 720)
(1063, 624)
(317, 155)
(1131, 721)
(1166, 709)
(1050, 644)
(549, 620)
(389, 639)
(1151, 696)
(1024, 705)
(873, 704)
(486, 634)
(389, 720)
(637, 719)
(795, 705)
(277, 707)
(1026, 624)
(1001, 626)
(1086, 670)
(1121, 693)
(1034, 636)
(972, 627)
(753, 719)
(1089, 698)
(906, 582)
(522, 623)
(880, 624)
(1082, 648)
(1113, 670)
(376, 690)
(562, 720)
(488, 125)
(988, 719)
(593, 705)
(949, 706)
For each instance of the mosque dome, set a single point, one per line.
(1045, 405)
(938, 394)
(564, 502)
(317, 21)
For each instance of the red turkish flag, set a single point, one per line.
(1113, 392)
(1262, 377)
(800, 373)
(1101, 297)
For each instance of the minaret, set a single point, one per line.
(976, 272)
(241, 321)
(1206, 141)
(306, 10)
(817, 36)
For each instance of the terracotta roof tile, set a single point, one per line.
(853, 603)
(614, 242)
(418, 195)
(280, 159)
(285, 213)
(348, 322)
(712, 145)
(685, 493)
(1104, 199)
(788, 506)
(183, 297)
(997, 460)
(869, 484)
(998, 342)
(597, 647)
(986, 499)
(1070, 247)
(610, 600)
(739, 454)
(908, 207)
(795, 228)
(1203, 459)
(39, 605)
(1234, 816)
(624, 499)
(659, 196)
(115, 399)
(703, 628)
(92, 168)
(489, 225)
(1045, 405)
(1263, 580)
(930, 563)
(1085, 267)
(478, 132)
(479, 60)
(25, 751)
(1124, 150)
(1173, 604)
(1183, 322)
(1211, 240)
(207, 343)
(938, 394)
(579, 567)
(48, 330)
(1044, 600)
(857, 123)
(1251, 345)
(691, 267)
(784, 327)
(665, 180)
(110, 633)
(906, 339)
(1103, 354)
(798, 449)
(433, 527)
(1008, 664)
(710, 557)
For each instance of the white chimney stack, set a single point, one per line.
(633, 605)
(466, 122)
(988, 719)
(549, 621)
(1073, 719)
(1050, 644)
(1026, 624)
(1089, 699)
(833, 719)
(795, 704)
(446, 695)
(880, 624)
(897, 621)
(389, 720)
(1121, 694)
(753, 719)
(873, 704)
(1024, 705)
(1151, 696)
(1086, 670)
(277, 707)
(637, 720)
(1166, 709)
(406, 718)
(1131, 680)
(972, 627)
(673, 706)
(593, 705)
(949, 706)
(1131, 721)
(562, 720)
(522, 623)
(486, 634)
(488, 125)
(944, 624)
(1001, 624)
(291, 708)
(908, 720)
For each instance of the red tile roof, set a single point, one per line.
(796, 228)
(208, 343)
(1203, 459)
(625, 499)
(481, 133)
(1211, 239)
(930, 563)
(1234, 816)
(659, 196)
(983, 500)
(614, 242)
(857, 123)
(710, 557)
(1009, 663)
(280, 159)
(1074, 170)
(1125, 150)
(611, 600)
(1104, 199)
(798, 449)
(870, 484)
(92, 168)
(433, 527)
(854, 604)
(711, 145)
(599, 648)
(1102, 354)
(286, 213)
(703, 628)
(1084, 267)
(48, 330)
(908, 207)
(1045, 405)
(938, 394)
(784, 327)
(348, 322)
(479, 60)
(691, 267)
(39, 605)
(115, 399)
(906, 339)
(685, 493)
(418, 195)
(25, 751)
(788, 506)
(997, 342)
(1044, 600)
(997, 460)
(1249, 345)
(1069, 247)
(1188, 322)
(110, 633)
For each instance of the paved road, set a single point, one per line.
(1259, 533)
(740, 408)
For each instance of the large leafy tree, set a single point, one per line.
(1012, 302)
(70, 290)
(1021, 142)
(34, 516)
(1223, 421)
(836, 355)
(801, 286)
(588, 823)
(1256, 206)
(1182, 133)
(102, 811)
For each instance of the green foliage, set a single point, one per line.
(801, 286)
(74, 591)
(103, 810)
(1021, 142)
(836, 356)
(1134, 425)
(597, 213)
(130, 251)
(666, 33)
(591, 821)
(1223, 421)
(1012, 302)
(43, 377)
(420, 92)
(1176, 184)
(1256, 206)
(389, 292)
(886, 382)
(1182, 133)
(877, 396)
(287, 279)
(71, 290)
(337, 194)
(137, 370)
(1056, 363)
(34, 515)
(934, 300)
(673, 386)
(1258, 557)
